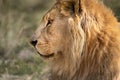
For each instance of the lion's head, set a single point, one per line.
(58, 32)
(77, 36)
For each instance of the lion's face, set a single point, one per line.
(55, 31)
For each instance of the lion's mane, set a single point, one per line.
(95, 53)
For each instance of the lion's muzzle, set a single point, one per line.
(33, 41)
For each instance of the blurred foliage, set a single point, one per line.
(18, 18)
(21, 67)
(18, 21)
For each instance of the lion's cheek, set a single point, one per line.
(44, 49)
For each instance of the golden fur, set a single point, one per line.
(81, 40)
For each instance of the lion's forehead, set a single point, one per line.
(56, 10)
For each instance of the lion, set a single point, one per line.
(80, 39)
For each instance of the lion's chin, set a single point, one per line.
(46, 56)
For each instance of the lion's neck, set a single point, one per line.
(94, 58)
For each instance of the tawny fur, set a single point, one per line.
(91, 50)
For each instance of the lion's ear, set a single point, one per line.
(71, 6)
(67, 7)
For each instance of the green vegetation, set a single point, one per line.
(18, 20)
(21, 67)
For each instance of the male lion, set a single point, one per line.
(81, 40)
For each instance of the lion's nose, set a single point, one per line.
(33, 42)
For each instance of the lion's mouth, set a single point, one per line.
(46, 56)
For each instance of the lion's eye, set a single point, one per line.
(49, 22)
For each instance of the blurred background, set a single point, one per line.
(18, 21)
